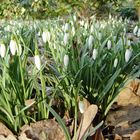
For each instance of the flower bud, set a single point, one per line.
(94, 54)
(37, 62)
(66, 60)
(81, 106)
(66, 38)
(13, 47)
(66, 27)
(115, 62)
(2, 50)
(135, 30)
(128, 43)
(128, 54)
(109, 44)
(46, 36)
(90, 41)
(138, 33)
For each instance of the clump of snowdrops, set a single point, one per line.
(76, 58)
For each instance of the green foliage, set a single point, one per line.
(41, 9)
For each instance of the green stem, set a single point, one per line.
(43, 111)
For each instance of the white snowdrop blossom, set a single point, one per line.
(82, 22)
(81, 106)
(128, 54)
(73, 31)
(128, 42)
(135, 30)
(46, 36)
(94, 54)
(109, 44)
(66, 38)
(74, 18)
(13, 47)
(66, 27)
(37, 62)
(2, 50)
(115, 62)
(66, 60)
(90, 41)
(138, 33)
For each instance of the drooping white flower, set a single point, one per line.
(73, 30)
(90, 41)
(37, 62)
(66, 38)
(81, 106)
(46, 36)
(115, 62)
(66, 27)
(81, 22)
(13, 47)
(91, 29)
(94, 54)
(135, 30)
(66, 60)
(128, 54)
(2, 50)
(74, 17)
(109, 44)
(86, 25)
(128, 42)
(138, 33)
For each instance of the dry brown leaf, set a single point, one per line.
(135, 135)
(86, 121)
(98, 135)
(117, 137)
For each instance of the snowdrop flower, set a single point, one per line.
(86, 25)
(81, 106)
(128, 42)
(91, 28)
(109, 44)
(37, 62)
(66, 27)
(66, 60)
(128, 54)
(138, 33)
(66, 38)
(135, 30)
(74, 18)
(73, 31)
(46, 36)
(115, 62)
(94, 54)
(13, 47)
(2, 50)
(82, 22)
(90, 41)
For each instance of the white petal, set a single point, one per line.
(81, 106)
(94, 54)
(115, 62)
(2, 50)
(37, 62)
(66, 60)
(109, 44)
(13, 47)
(128, 54)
